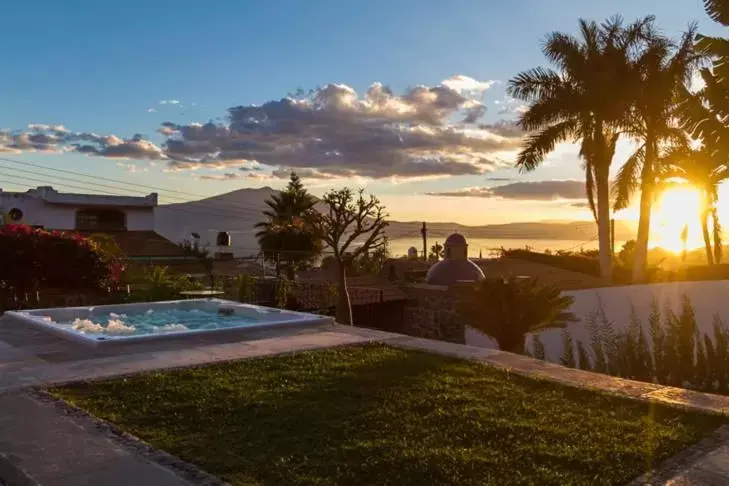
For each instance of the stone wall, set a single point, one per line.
(431, 312)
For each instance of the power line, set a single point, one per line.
(191, 210)
(127, 183)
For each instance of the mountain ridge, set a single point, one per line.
(238, 211)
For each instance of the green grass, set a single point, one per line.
(377, 415)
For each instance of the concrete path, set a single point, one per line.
(43, 446)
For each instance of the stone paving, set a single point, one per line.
(30, 358)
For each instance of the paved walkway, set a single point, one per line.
(53, 447)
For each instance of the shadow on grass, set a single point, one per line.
(378, 415)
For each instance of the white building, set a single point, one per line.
(53, 210)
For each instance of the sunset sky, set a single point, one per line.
(409, 98)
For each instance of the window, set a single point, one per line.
(100, 220)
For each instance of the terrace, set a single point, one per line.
(372, 404)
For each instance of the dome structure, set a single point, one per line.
(413, 253)
(456, 267)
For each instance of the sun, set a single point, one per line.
(677, 208)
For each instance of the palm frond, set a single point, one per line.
(534, 84)
(718, 10)
(539, 144)
(627, 180)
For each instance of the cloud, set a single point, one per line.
(499, 179)
(336, 132)
(510, 106)
(581, 205)
(228, 176)
(57, 138)
(527, 191)
(151, 110)
(131, 167)
(467, 84)
(329, 132)
(169, 102)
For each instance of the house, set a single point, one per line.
(129, 220)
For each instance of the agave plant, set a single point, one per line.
(508, 309)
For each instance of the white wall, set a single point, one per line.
(140, 219)
(709, 298)
(36, 212)
(62, 217)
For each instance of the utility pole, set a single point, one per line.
(424, 233)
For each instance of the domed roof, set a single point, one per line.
(456, 239)
(450, 272)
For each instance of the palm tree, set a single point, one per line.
(662, 71)
(718, 10)
(704, 169)
(507, 310)
(584, 99)
(288, 236)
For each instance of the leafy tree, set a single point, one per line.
(288, 236)
(437, 252)
(351, 218)
(371, 262)
(660, 74)
(585, 98)
(508, 309)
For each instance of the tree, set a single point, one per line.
(508, 309)
(34, 259)
(351, 218)
(661, 73)
(288, 236)
(704, 169)
(437, 252)
(585, 99)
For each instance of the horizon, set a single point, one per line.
(129, 116)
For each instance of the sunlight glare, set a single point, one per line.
(676, 208)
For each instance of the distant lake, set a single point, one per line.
(399, 246)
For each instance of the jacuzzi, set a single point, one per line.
(124, 323)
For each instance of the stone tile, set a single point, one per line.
(697, 477)
(527, 366)
(705, 402)
(717, 461)
(57, 451)
(443, 348)
(374, 334)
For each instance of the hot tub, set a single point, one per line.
(107, 324)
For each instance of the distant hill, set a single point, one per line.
(238, 211)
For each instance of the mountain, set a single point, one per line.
(236, 212)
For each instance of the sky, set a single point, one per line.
(405, 98)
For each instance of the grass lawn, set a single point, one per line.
(378, 415)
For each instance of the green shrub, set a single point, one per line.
(675, 352)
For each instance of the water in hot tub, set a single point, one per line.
(156, 322)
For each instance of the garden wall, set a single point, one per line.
(430, 312)
(709, 299)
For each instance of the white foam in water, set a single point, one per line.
(171, 328)
(87, 325)
(117, 326)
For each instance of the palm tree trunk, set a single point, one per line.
(705, 229)
(513, 345)
(603, 224)
(718, 245)
(344, 306)
(644, 220)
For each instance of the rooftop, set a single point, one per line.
(52, 196)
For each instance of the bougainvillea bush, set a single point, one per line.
(33, 259)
